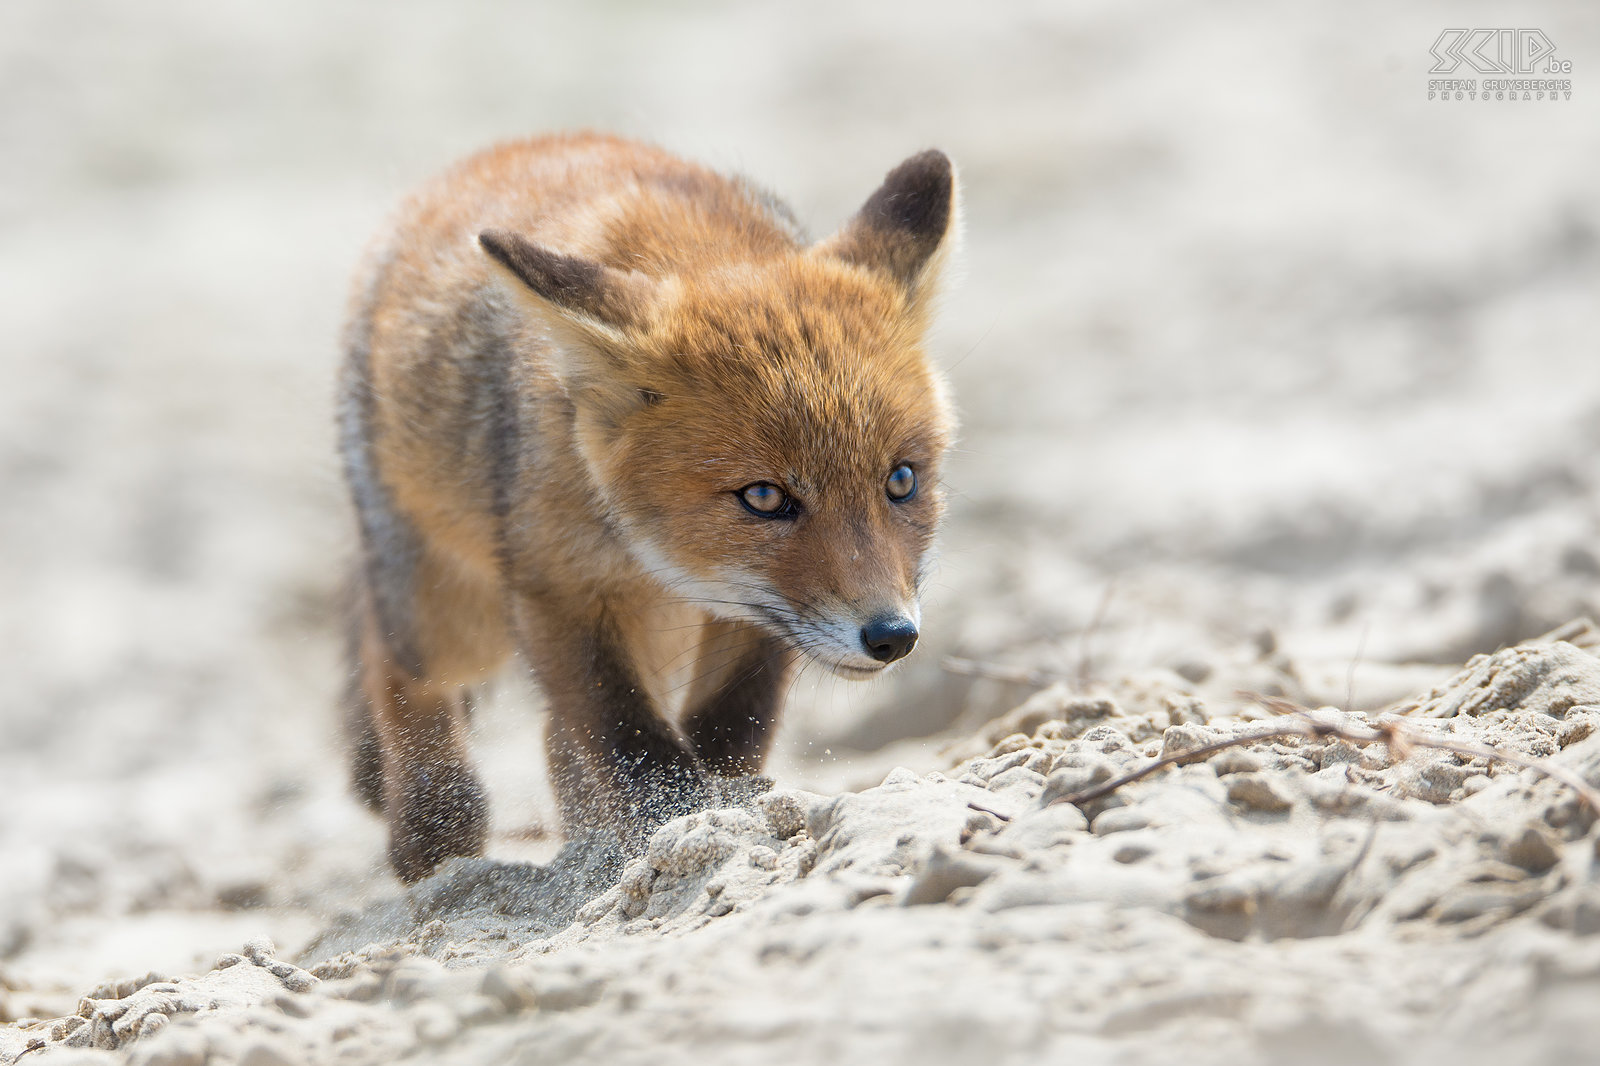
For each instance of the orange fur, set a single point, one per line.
(565, 360)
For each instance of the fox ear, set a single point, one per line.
(594, 305)
(595, 294)
(906, 228)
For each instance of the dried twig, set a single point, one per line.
(1581, 632)
(1400, 736)
(1039, 678)
(1096, 620)
(1106, 788)
(1350, 674)
(988, 810)
(1019, 675)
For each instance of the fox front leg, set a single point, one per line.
(429, 794)
(617, 766)
(733, 706)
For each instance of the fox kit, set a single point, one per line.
(611, 410)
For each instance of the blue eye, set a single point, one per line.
(767, 500)
(902, 484)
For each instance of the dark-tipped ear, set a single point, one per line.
(587, 309)
(579, 287)
(905, 229)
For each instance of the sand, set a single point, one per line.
(1275, 377)
(1289, 899)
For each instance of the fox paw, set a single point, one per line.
(437, 814)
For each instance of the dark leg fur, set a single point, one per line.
(366, 752)
(408, 757)
(731, 723)
(416, 623)
(436, 811)
(618, 767)
(430, 796)
(366, 762)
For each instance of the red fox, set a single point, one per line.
(612, 410)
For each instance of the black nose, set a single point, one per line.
(889, 638)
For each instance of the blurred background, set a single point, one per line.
(1269, 367)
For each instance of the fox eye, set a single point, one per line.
(902, 484)
(767, 500)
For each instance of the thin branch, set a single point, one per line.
(1096, 620)
(1019, 675)
(1106, 788)
(1350, 674)
(988, 810)
(1040, 678)
(1581, 631)
(1400, 735)
(1304, 722)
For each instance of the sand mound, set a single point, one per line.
(1293, 898)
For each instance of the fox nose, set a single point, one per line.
(889, 638)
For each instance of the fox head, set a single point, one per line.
(765, 430)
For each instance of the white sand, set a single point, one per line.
(1274, 376)
(1290, 899)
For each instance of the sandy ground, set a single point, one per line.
(1275, 376)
